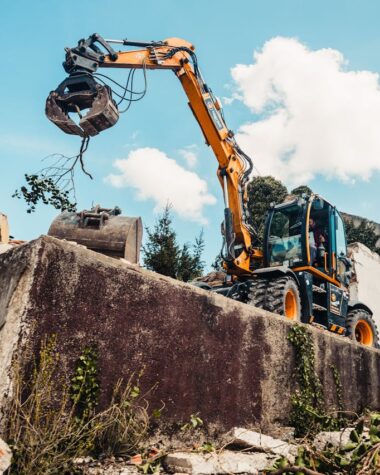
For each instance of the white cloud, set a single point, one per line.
(317, 117)
(157, 177)
(189, 153)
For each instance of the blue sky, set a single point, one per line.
(33, 35)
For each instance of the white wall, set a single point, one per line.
(366, 283)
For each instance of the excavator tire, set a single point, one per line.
(257, 291)
(361, 327)
(283, 298)
(280, 295)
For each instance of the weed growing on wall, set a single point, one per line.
(309, 414)
(51, 423)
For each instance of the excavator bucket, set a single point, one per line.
(75, 94)
(102, 230)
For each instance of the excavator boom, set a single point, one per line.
(80, 90)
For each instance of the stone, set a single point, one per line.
(226, 462)
(5, 247)
(204, 353)
(257, 441)
(336, 439)
(5, 456)
(110, 469)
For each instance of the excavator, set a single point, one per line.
(302, 271)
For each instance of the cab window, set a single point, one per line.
(341, 247)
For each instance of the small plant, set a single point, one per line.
(193, 423)
(43, 431)
(84, 384)
(51, 423)
(309, 414)
(126, 421)
(360, 456)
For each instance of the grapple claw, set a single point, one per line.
(76, 93)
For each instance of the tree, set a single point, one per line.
(190, 264)
(302, 189)
(262, 191)
(364, 233)
(163, 254)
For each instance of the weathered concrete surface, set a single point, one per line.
(226, 462)
(230, 362)
(5, 456)
(366, 283)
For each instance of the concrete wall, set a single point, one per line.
(228, 361)
(366, 283)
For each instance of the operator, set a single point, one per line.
(319, 239)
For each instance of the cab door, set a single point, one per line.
(340, 249)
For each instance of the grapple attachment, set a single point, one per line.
(75, 94)
(102, 230)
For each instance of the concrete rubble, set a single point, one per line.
(5, 456)
(335, 439)
(225, 462)
(256, 441)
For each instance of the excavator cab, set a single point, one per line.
(307, 232)
(307, 272)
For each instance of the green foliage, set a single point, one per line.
(308, 414)
(338, 388)
(84, 384)
(364, 233)
(217, 265)
(44, 430)
(45, 190)
(126, 421)
(302, 189)
(162, 253)
(190, 264)
(262, 191)
(360, 456)
(194, 422)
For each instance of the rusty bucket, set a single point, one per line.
(102, 230)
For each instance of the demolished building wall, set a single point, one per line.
(365, 285)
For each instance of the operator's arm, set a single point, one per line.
(234, 166)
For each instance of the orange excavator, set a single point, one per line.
(301, 273)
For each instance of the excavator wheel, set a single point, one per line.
(361, 327)
(278, 295)
(257, 292)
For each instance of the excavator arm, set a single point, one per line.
(80, 91)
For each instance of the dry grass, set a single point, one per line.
(45, 433)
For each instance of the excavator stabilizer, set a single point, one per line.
(102, 230)
(80, 92)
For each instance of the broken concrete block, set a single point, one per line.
(336, 439)
(230, 362)
(5, 247)
(5, 456)
(256, 441)
(226, 462)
